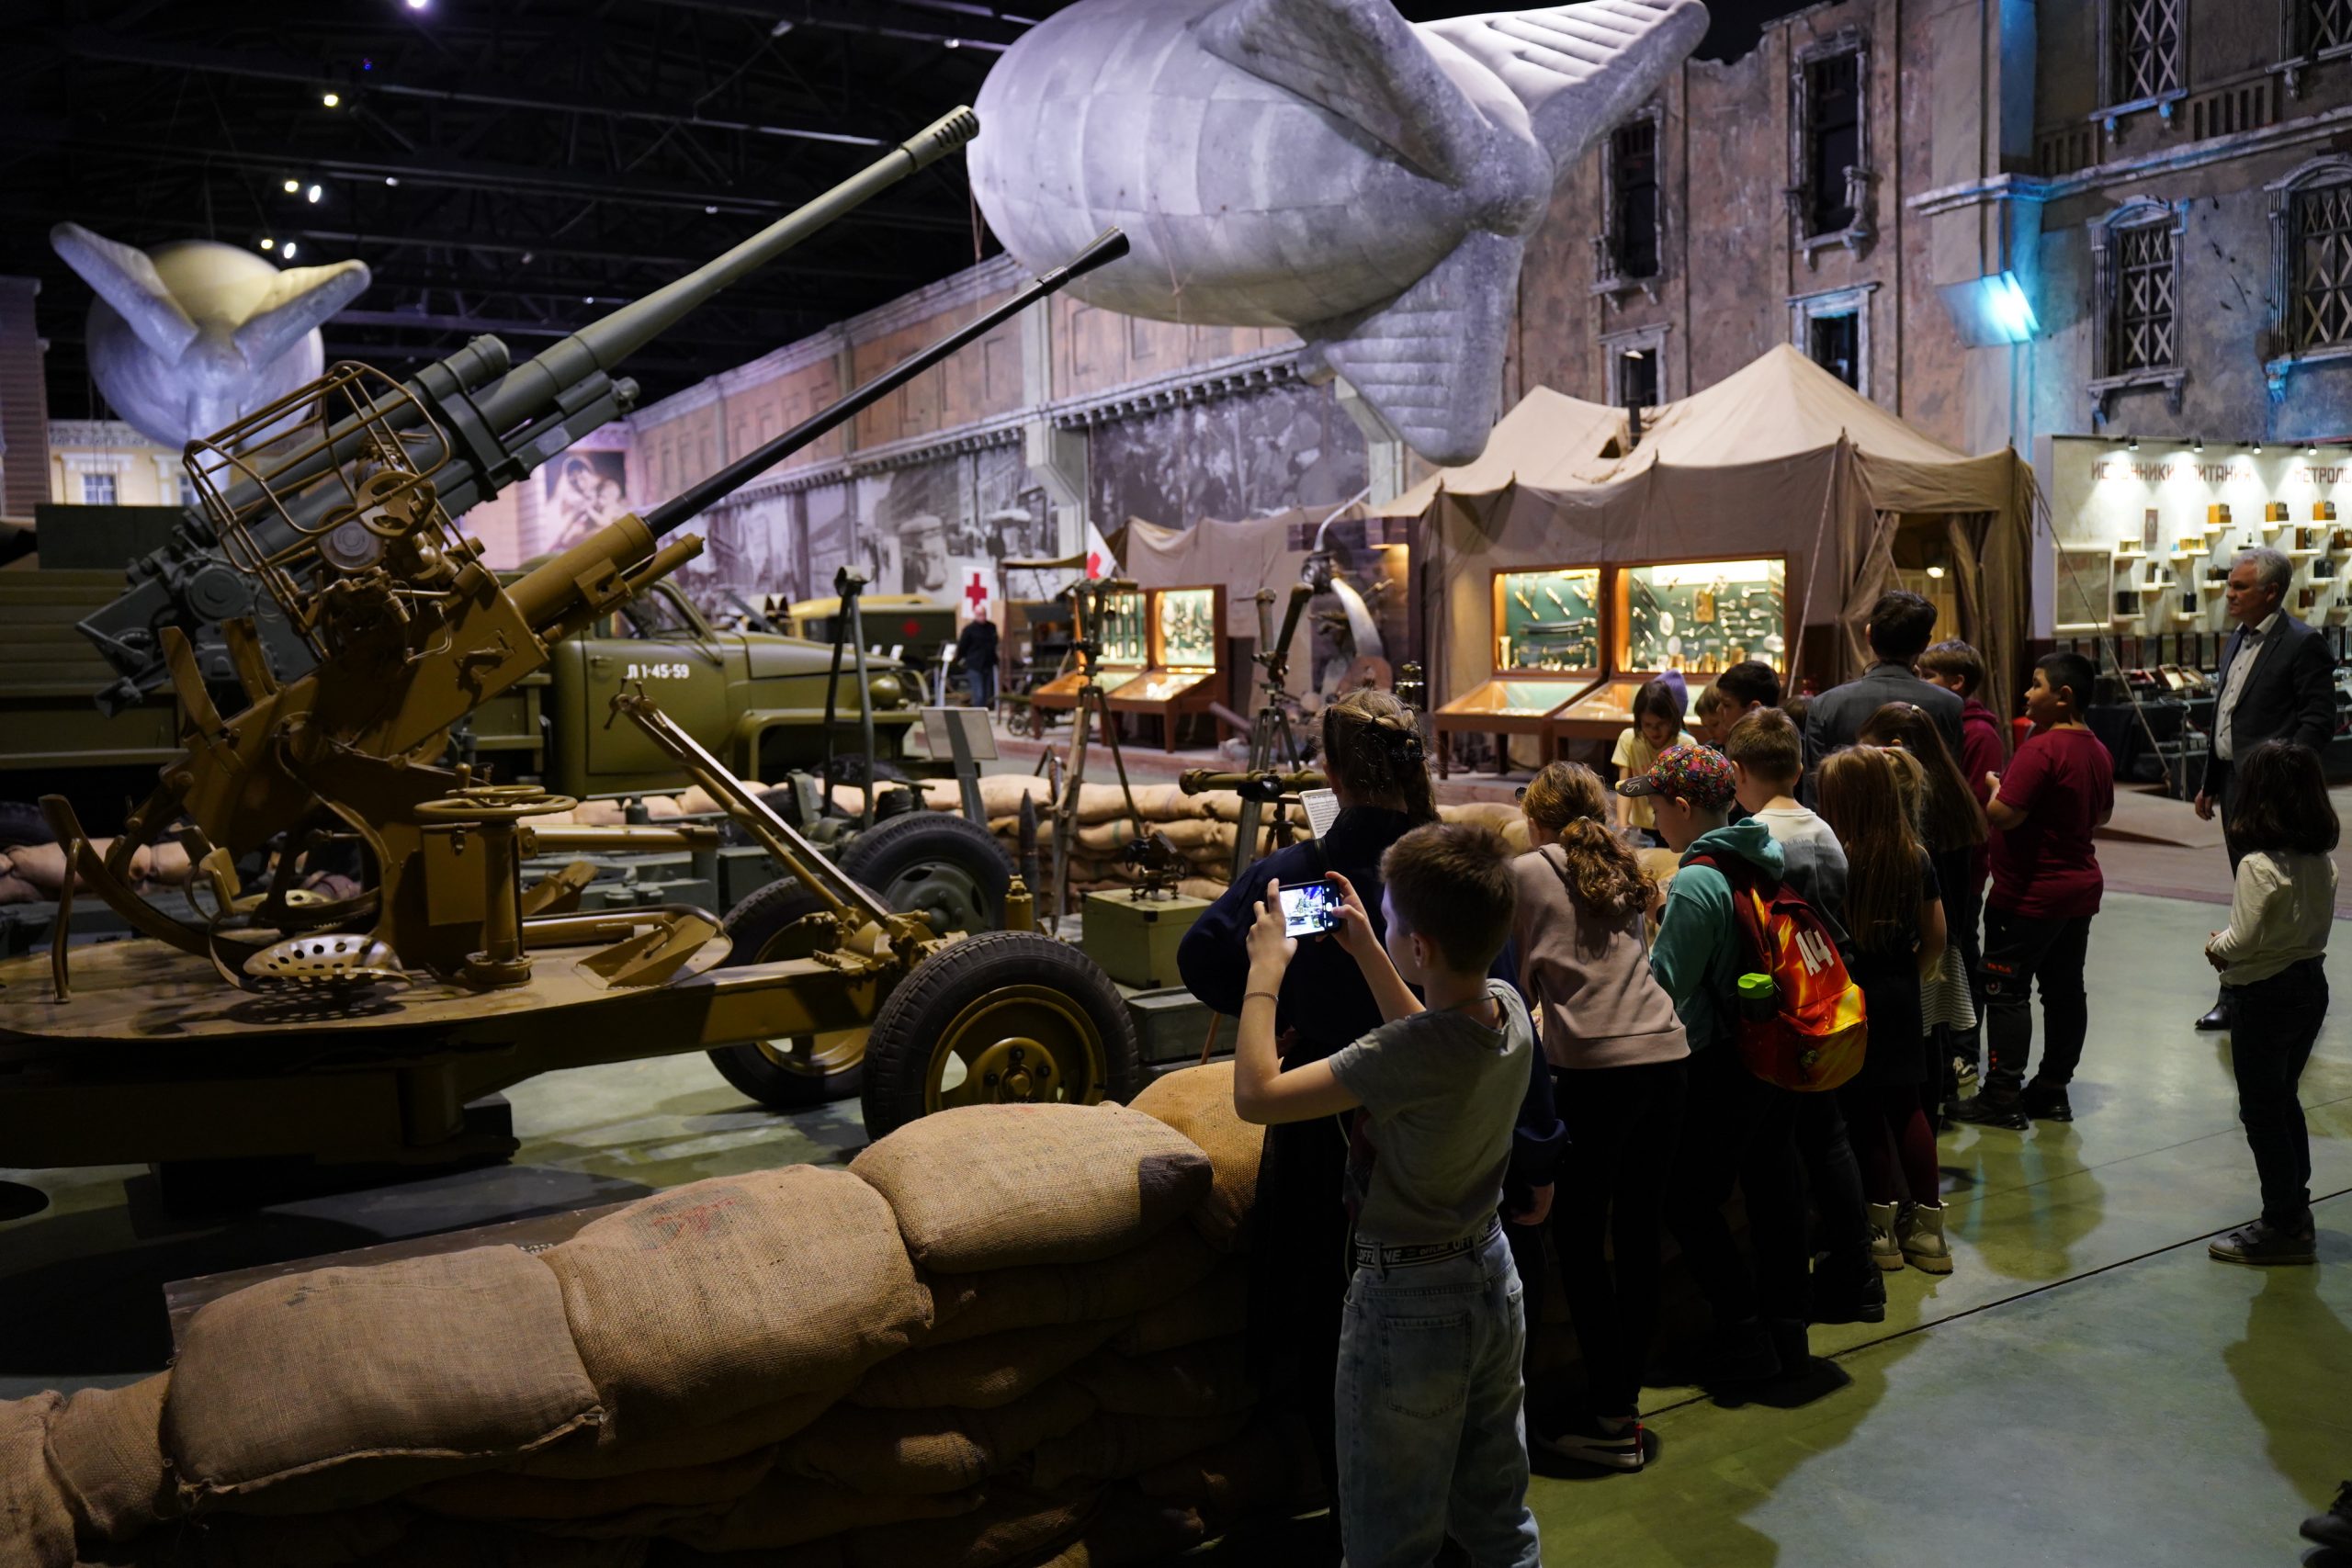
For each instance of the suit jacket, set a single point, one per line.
(1839, 714)
(2289, 695)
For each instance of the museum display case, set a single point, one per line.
(1183, 636)
(1548, 621)
(1502, 708)
(1125, 647)
(1701, 617)
(1601, 713)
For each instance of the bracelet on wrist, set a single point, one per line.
(1271, 996)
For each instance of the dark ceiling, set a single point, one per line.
(513, 168)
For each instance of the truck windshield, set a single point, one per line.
(656, 614)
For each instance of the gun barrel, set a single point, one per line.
(1107, 247)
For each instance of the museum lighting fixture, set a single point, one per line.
(2130, 444)
(267, 243)
(2008, 310)
(289, 250)
(290, 187)
(418, 5)
(783, 26)
(1936, 571)
(331, 100)
(2257, 448)
(2196, 444)
(313, 194)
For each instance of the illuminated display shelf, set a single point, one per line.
(1504, 706)
(1548, 621)
(1122, 657)
(1700, 617)
(1184, 673)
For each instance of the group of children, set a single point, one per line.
(1548, 1044)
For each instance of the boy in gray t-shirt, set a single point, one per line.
(1431, 1430)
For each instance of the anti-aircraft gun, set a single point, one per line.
(502, 421)
(359, 1029)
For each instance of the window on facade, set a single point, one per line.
(97, 489)
(1833, 138)
(2327, 23)
(2322, 300)
(1834, 342)
(2145, 308)
(1637, 379)
(2147, 49)
(1633, 155)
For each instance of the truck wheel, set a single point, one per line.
(22, 823)
(935, 864)
(795, 1073)
(1002, 1018)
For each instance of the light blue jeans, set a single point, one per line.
(1432, 1438)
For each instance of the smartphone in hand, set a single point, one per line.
(1309, 908)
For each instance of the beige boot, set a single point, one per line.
(1920, 1234)
(1886, 1251)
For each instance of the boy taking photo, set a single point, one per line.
(1431, 1430)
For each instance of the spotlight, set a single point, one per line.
(292, 186)
(955, 43)
(331, 100)
(289, 250)
(2257, 448)
(2198, 445)
(2311, 448)
(313, 194)
(418, 5)
(1936, 571)
(709, 210)
(588, 299)
(783, 26)
(267, 243)
(2130, 444)
(391, 179)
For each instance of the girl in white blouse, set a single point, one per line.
(2284, 829)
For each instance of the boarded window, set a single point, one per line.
(2147, 49)
(1633, 223)
(2146, 309)
(2322, 220)
(1833, 139)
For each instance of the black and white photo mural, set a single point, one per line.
(1249, 455)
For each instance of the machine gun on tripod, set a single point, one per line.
(1149, 854)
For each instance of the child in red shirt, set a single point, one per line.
(1957, 667)
(2046, 885)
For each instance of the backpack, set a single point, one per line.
(1814, 1039)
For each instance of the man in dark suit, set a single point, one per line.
(1900, 627)
(2277, 683)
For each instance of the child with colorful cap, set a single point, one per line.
(1736, 1128)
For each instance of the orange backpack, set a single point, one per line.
(1814, 1038)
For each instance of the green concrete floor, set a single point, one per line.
(2086, 1388)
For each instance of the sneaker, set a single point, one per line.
(1611, 1442)
(1886, 1251)
(2333, 1527)
(2262, 1242)
(1849, 1295)
(1964, 1075)
(2046, 1102)
(1989, 1108)
(1920, 1233)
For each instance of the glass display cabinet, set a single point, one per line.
(1124, 647)
(1183, 636)
(1702, 617)
(1548, 621)
(1502, 708)
(1601, 714)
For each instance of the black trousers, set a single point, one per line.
(981, 678)
(2021, 952)
(2272, 1029)
(1963, 911)
(1739, 1130)
(1298, 1275)
(1622, 1126)
(1834, 1181)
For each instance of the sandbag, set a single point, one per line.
(600, 814)
(348, 1537)
(1210, 888)
(617, 1454)
(1005, 1186)
(1013, 1523)
(1112, 1448)
(929, 1451)
(1000, 793)
(1211, 1377)
(106, 1448)
(966, 1306)
(36, 1524)
(348, 1385)
(498, 1496)
(168, 863)
(1269, 1461)
(433, 1543)
(979, 1375)
(1198, 1102)
(1217, 1306)
(786, 1511)
(43, 865)
(1131, 1530)
(735, 1293)
(1200, 835)
(17, 890)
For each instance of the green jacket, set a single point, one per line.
(1697, 957)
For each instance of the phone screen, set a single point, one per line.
(1310, 908)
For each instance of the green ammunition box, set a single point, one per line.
(1135, 938)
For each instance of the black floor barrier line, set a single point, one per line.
(2004, 1301)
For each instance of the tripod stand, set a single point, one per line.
(1086, 599)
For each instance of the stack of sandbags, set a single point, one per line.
(1006, 1332)
(36, 872)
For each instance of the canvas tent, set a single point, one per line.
(1780, 458)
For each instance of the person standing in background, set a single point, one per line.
(1899, 627)
(976, 646)
(1656, 728)
(1984, 752)
(2277, 683)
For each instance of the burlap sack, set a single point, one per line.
(617, 1454)
(1111, 1448)
(1198, 1102)
(36, 1525)
(168, 865)
(1000, 793)
(1005, 1186)
(663, 808)
(349, 1385)
(599, 814)
(376, 1536)
(1131, 1530)
(1105, 839)
(1269, 1461)
(786, 1511)
(1210, 888)
(930, 1451)
(106, 1448)
(1217, 1306)
(979, 1375)
(1211, 1377)
(1200, 835)
(43, 865)
(966, 1306)
(1013, 1523)
(498, 1496)
(735, 1293)
(432, 1543)
(17, 890)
